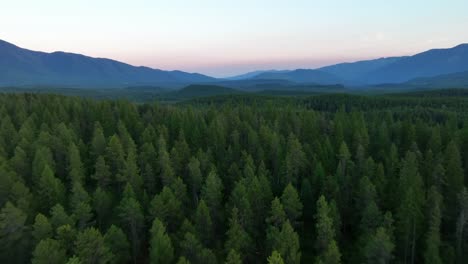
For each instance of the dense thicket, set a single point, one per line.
(327, 179)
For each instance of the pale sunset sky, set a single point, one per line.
(222, 38)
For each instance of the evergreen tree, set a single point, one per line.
(286, 243)
(203, 223)
(116, 240)
(50, 190)
(161, 250)
(98, 142)
(59, 217)
(237, 238)
(42, 228)
(115, 158)
(132, 218)
(49, 251)
(102, 205)
(233, 258)
(295, 159)
(379, 247)
(291, 203)
(195, 178)
(409, 213)
(275, 258)
(75, 166)
(12, 234)
(80, 204)
(167, 208)
(101, 172)
(91, 248)
(325, 243)
(432, 252)
(166, 172)
(212, 194)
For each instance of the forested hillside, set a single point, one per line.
(234, 179)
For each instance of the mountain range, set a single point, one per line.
(23, 67)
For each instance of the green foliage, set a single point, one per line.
(325, 243)
(233, 258)
(237, 238)
(291, 203)
(132, 218)
(49, 251)
(379, 248)
(42, 228)
(275, 258)
(161, 250)
(117, 242)
(12, 233)
(90, 247)
(238, 179)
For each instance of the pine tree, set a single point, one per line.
(43, 158)
(291, 203)
(91, 248)
(80, 205)
(212, 194)
(166, 172)
(161, 250)
(237, 238)
(379, 247)
(432, 252)
(75, 166)
(295, 160)
(49, 251)
(195, 178)
(115, 158)
(102, 205)
(12, 234)
(101, 172)
(462, 221)
(50, 190)
(287, 244)
(66, 236)
(42, 228)
(233, 258)
(275, 258)
(59, 217)
(167, 208)
(409, 212)
(454, 181)
(203, 223)
(98, 142)
(325, 243)
(132, 218)
(116, 240)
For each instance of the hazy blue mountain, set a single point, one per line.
(379, 71)
(353, 71)
(426, 64)
(253, 74)
(301, 76)
(20, 67)
(452, 80)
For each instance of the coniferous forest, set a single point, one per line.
(234, 179)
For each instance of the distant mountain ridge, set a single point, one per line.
(452, 80)
(22, 67)
(353, 71)
(427, 64)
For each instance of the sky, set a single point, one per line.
(228, 37)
